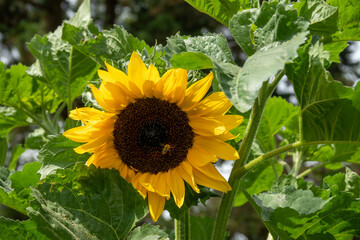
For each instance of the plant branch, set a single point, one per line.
(249, 136)
(182, 226)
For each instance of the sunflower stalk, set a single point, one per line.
(182, 226)
(244, 151)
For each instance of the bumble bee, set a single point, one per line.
(165, 149)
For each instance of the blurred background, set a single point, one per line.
(152, 21)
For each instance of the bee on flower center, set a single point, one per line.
(166, 148)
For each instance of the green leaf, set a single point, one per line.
(14, 229)
(191, 61)
(348, 21)
(65, 69)
(201, 228)
(277, 113)
(213, 46)
(148, 232)
(82, 18)
(331, 120)
(3, 150)
(334, 49)
(15, 186)
(327, 115)
(15, 154)
(278, 37)
(295, 209)
(356, 97)
(10, 118)
(192, 198)
(86, 203)
(36, 139)
(241, 29)
(222, 11)
(256, 181)
(27, 177)
(322, 17)
(114, 46)
(21, 91)
(58, 153)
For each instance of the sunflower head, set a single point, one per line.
(156, 132)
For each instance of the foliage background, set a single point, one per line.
(150, 21)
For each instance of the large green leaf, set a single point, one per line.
(278, 36)
(58, 153)
(329, 114)
(348, 21)
(256, 181)
(277, 113)
(22, 92)
(114, 46)
(148, 232)
(86, 203)
(15, 186)
(241, 29)
(201, 228)
(222, 11)
(66, 70)
(294, 209)
(191, 61)
(334, 120)
(322, 17)
(214, 46)
(14, 229)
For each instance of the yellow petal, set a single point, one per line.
(185, 171)
(106, 157)
(210, 171)
(199, 157)
(114, 96)
(156, 205)
(219, 148)
(152, 76)
(207, 181)
(225, 137)
(109, 77)
(206, 126)
(213, 105)
(89, 116)
(118, 76)
(80, 134)
(229, 121)
(92, 145)
(172, 86)
(143, 192)
(137, 71)
(115, 75)
(100, 99)
(177, 187)
(196, 92)
(160, 184)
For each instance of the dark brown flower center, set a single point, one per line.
(152, 135)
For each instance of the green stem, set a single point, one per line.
(259, 160)
(249, 136)
(307, 171)
(182, 226)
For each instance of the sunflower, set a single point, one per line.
(157, 132)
